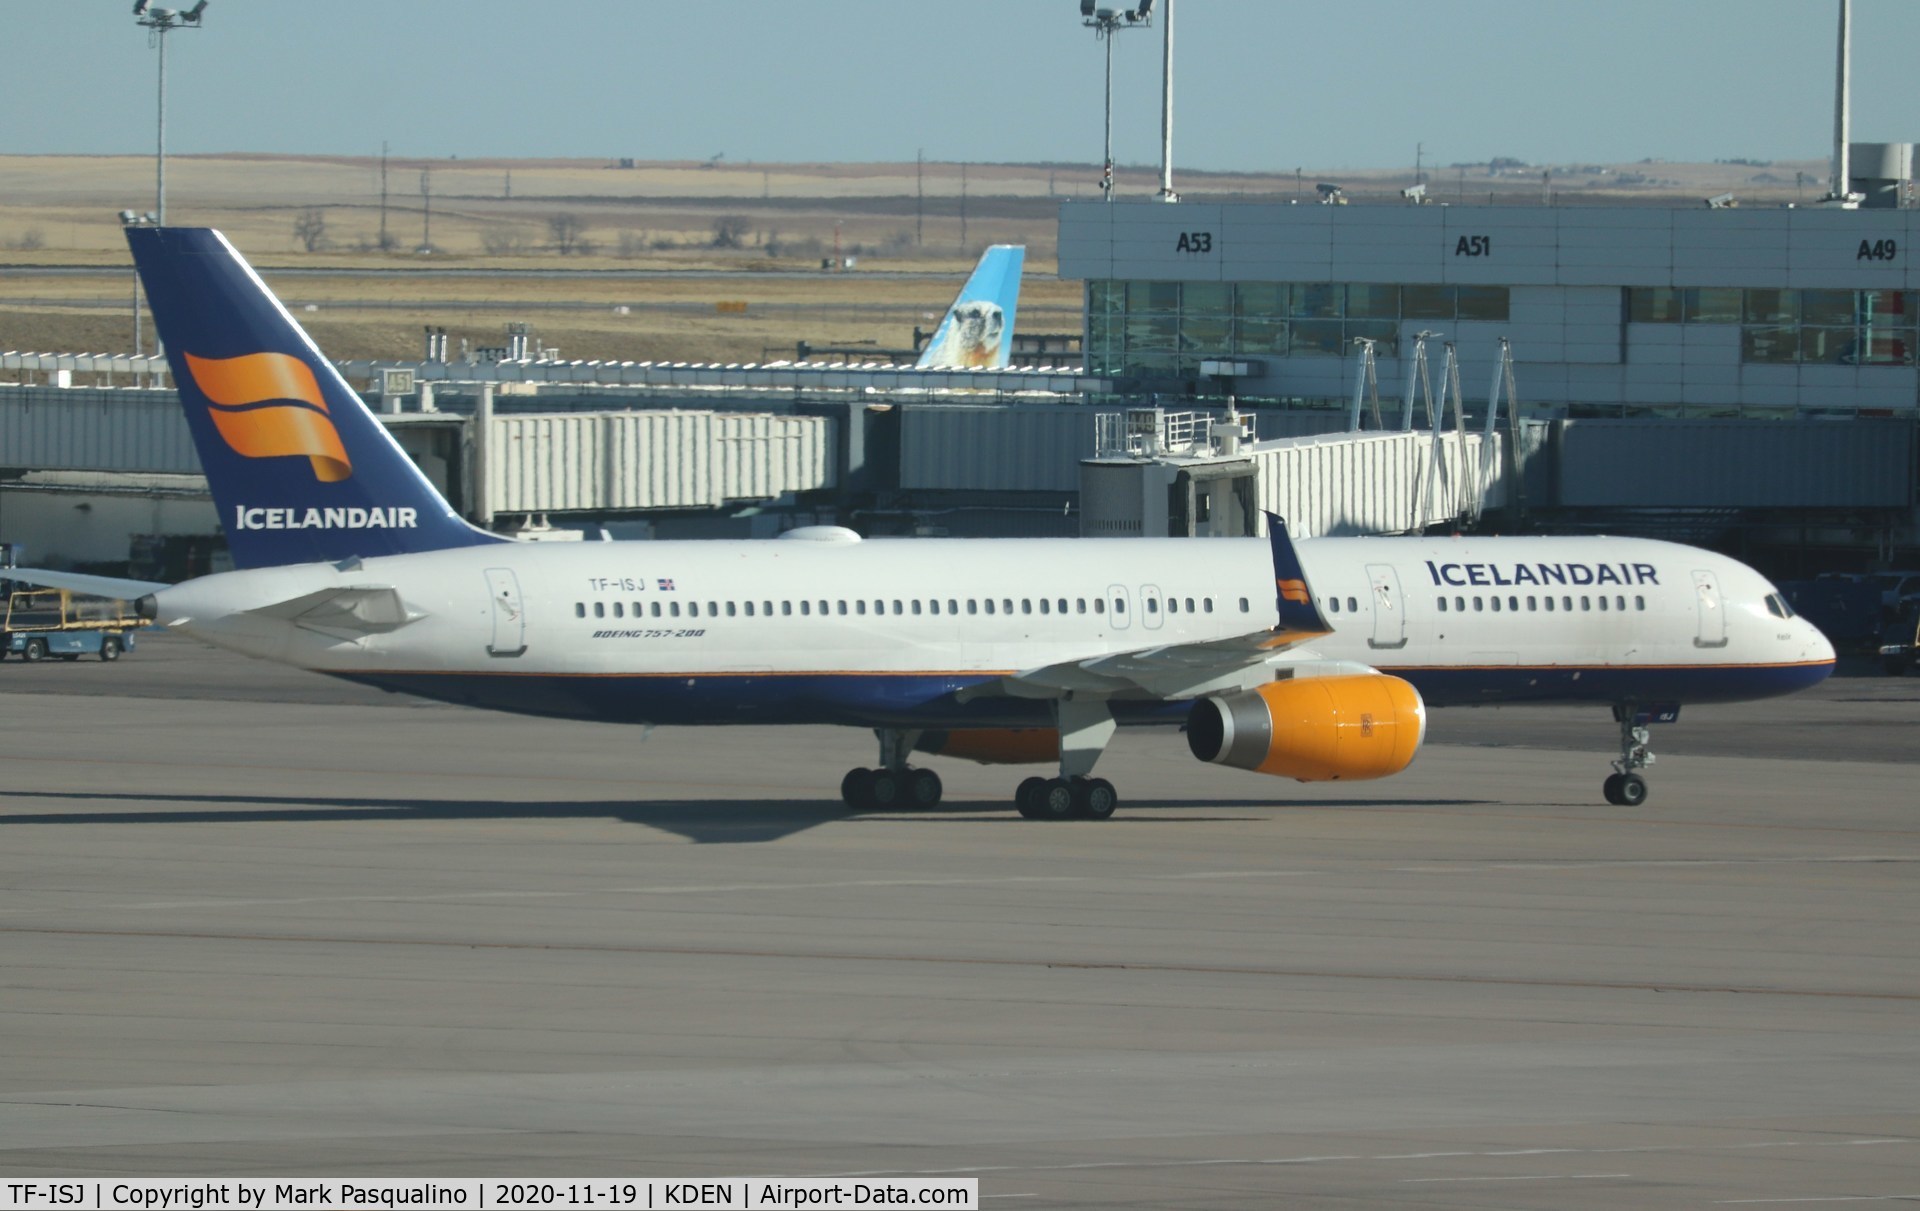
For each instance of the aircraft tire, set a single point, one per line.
(1633, 790)
(1611, 789)
(1057, 800)
(856, 789)
(923, 788)
(886, 789)
(1095, 798)
(1027, 797)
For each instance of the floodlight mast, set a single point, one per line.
(1105, 22)
(159, 22)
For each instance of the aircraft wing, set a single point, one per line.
(81, 582)
(1170, 671)
(1188, 670)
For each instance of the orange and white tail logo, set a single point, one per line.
(268, 405)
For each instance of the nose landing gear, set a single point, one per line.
(1625, 787)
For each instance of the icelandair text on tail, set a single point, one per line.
(467, 1194)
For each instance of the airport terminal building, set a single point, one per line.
(1611, 311)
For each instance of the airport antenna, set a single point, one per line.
(1105, 23)
(159, 22)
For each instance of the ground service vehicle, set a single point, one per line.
(39, 623)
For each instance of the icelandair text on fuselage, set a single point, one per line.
(246, 517)
(1494, 575)
(466, 1194)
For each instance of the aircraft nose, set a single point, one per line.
(1819, 647)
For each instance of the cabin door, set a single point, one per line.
(1389, 610)
(1712, 608)
(509, 615)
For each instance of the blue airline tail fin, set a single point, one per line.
(977, 331)
(299, 468)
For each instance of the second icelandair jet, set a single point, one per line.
(1312, 661)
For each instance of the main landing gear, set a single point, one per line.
(1066, 798)
(894, 785)
(1625, 787)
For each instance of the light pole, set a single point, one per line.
(1105, 22)
(159, 22)
(129, 219)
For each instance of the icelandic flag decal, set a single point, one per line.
(666, 585)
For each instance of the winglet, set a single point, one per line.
(1294, 596)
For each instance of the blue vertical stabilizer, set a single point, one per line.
(977, 331)
(299, 468)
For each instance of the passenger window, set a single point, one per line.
(1443, 605)
(619, 609)
(1244, 608)
(749, 609)
(989, 602)
(579, 609)
(693, 609)
(1531, 606)
(655, 609)
(1006, 605)
(1566, 603)
(916, 605)
(675, 607)
(730, 613)
(1173, 605)
(1207, 604)
(1333, 605)
(1044, 606)
(953, 606)
(1099, 605)
(1640, 603)
(823, 608)
(1513, 603)
(1063, 605)
(879, 607)
(1620, 602)
(1459, 605)
(972, 606)
(1026, 605)
(1496, 604)
(1079, 605)
(1353, 605)
(1477, 605)
(1549, 603)
(842, 605)
(933, 606)
(1119, 605)
(806, 607)
(1153, 605)
(860, 607)
(1189, 605)
(1603, 601)
(1586, 604)
(786, 608)
(898, 610)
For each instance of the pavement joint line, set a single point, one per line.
(1214, 1162)
(963, 960)
(1543, 1177)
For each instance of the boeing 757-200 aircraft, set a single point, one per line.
(1313, 661)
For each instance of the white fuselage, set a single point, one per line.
(896, 633)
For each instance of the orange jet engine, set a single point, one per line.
(1313, 729)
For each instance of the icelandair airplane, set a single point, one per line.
(1313, 661)
(977, 331)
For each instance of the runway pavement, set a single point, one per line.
(256, 923)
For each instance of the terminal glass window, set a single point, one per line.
(1808, 327)
(1168, 328)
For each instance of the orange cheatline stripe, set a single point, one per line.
(271, 432)
(1415, 668)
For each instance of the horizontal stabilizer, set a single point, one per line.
(361, 609)
(80, 582)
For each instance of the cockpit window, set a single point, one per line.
(1778, 606)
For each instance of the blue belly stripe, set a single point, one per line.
(933, 699)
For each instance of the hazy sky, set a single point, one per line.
(1261, 84)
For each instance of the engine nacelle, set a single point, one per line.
(994, 745)
(1313, 729)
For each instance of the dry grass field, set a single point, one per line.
(700, 234)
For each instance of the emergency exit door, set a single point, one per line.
(1389, 609)
(509, 614)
